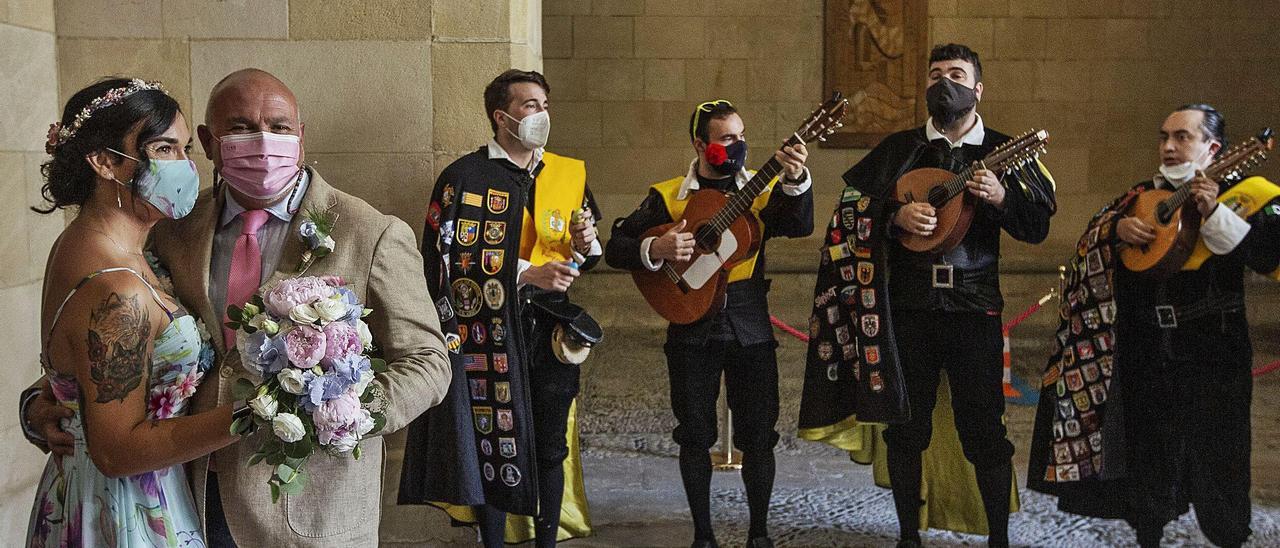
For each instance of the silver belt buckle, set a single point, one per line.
(943, 276)
(1166, 317)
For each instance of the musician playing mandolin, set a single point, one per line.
(1182, 354)
(736, 340)
(931, 311)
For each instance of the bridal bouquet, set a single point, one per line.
(306, 340)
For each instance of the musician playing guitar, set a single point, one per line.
(944, 307)
(737, 339)
(1183, 356)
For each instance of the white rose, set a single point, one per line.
(304, 314)
(364, 423)
(264, 406)
(366, 338)
(331, 310)
(345, 443)
(366, 377)
(288, 427)
(328, 243)
(291, 380)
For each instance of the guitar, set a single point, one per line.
(1177, 228)
(725, 231)
(940, 188)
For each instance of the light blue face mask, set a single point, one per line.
(169, 185)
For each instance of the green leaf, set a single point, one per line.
(235, 313)
(320, 252)
(240, 426)
(295, 487)
(285, 472)
(367, 396)
(378, 365)
(275, 492)
(243, 389)
(379, 421)
(355, 453)
(256, 458)
(298, 449)
(276, 458)
(235, 326)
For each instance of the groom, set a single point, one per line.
(243, 233)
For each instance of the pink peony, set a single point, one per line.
(335, 415)
(333, 281)
(305, 346)
(342, 340)
(293, 292)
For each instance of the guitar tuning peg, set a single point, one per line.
(822, 139)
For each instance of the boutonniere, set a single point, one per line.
(314, 231)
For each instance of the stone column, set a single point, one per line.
(28, 104)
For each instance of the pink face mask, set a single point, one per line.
(259, 165)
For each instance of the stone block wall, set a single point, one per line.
(1100, 75)
(28, 104)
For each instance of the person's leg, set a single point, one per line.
(493, 525)
(1219, 447)
(751, 383)
(218, 535)
(906, 441)
(694, 373)
(553, 385)
(976, 376)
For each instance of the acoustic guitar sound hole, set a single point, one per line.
(937, 196)
(1163, 215)
(706, 239)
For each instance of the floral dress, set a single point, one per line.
(76, 505)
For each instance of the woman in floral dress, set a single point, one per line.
(122, 355)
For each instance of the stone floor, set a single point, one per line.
(821, 498)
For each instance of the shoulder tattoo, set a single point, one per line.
(119, 331)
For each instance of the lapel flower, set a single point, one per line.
(315, 232)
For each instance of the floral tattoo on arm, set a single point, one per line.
(119, 330)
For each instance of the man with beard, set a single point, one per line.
(931, 312)
(737, 340)
(1174, 425)
(509, 229)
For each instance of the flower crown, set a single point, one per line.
(60, 134)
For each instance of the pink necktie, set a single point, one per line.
(246, 266)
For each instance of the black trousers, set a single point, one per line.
(552, 387)
(969, 347)
(217, 534)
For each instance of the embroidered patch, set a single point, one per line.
(510, 475)
(494, 294)
(446, 196)
(479, 389)
(507, 447)
(468, 232)
(505, 422)
(466, 296)
(494, 232)
(478, 333)
(498, 201)
(475, 362)
(483, 419)
(491, 260)
(472, 199)
(498, 332)
(500, 362)
(502, 392)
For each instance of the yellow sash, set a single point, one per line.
(670, 189)
(561, 186)
(1244, 199)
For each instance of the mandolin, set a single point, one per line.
(946, 191)
(1177, 228)
(725, 233)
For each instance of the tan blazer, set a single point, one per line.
(379, 258)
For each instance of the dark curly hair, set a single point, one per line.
(69, 179)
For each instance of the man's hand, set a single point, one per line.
(1134, 231)
(674, 245)
(986, 187)
(917, 218)
(792, 158)
(1205, 194)
(44, 415)
(583, 231)
(552, 276)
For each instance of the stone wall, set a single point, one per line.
(28, 104)
(1099, 74)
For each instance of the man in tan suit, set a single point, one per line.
(378, 257)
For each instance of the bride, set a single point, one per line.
(117, 350)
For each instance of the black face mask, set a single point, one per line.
(948, 101)
(733, 159)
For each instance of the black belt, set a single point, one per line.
(1167, 316)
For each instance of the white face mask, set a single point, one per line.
(1180, 173)
(534, 129)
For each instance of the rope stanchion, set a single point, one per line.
(1263, 370)
(788, 329)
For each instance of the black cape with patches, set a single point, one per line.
(468, 450)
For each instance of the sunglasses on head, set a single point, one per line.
(707, 106)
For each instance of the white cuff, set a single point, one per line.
(644, 255)
(1223, 230)
(522, 266)
(796, 189)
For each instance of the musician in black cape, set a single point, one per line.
(929, 312)
(737, 340)
(1145, 406)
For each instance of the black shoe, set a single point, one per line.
(705, 543)
(909, 543)
(760, 542)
